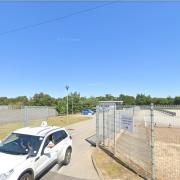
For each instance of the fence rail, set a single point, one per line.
(170, 113)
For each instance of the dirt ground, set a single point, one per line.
(110, 169)
(134, 149)
(167, 153)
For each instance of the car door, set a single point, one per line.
(45, 160)
(59, 138)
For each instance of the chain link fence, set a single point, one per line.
(14, 117)
(144, 138)
(167, 142)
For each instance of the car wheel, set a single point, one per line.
(67, 157)
(26, 176)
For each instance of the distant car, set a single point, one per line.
(28, 152)
(94, 110)
(87, 112)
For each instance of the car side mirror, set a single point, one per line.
(31, 154)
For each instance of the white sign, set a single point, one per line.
(127, 121)
(107, 105)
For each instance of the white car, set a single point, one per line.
(28, 152)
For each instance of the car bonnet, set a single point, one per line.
(9, 162)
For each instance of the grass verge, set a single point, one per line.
(61, 121)
(110, 169)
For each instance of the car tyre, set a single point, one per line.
(26, 176)
(67, 157)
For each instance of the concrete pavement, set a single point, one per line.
(81, 167)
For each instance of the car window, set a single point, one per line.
(47, 141)
(55, 138)
(59, 136)
(21, 144)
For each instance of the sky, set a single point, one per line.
(120, 48)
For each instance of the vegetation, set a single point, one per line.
(77, 102)
(110, 169)
(61, 121)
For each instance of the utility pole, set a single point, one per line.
(67, 105)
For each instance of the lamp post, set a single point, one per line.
(67, 88)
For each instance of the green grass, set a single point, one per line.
(61, 121)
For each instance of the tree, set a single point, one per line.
(160, 101)
(89, 102)
(141, 99)
(78, 103)
(21, 100)
(61, 106)
(42, 99)
(127, 100)
(170, 100)
(109, 97)
(76, 99)
(3, 101)
(177, 100)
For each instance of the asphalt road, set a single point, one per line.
(81, 167)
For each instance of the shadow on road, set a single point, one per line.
(51, 175)
(47, 171)
(56, 176)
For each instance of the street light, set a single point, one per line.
(67, 88)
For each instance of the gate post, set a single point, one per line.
(152, 143)
(103, 127)
(97, 126)
(114, 128)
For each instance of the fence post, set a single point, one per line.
(114, 128)
(25, 116)
(152, 143)
(97, 126)
(103, 127)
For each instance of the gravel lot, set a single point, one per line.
(167, 153)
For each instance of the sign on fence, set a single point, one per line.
(107, 105)
(127, 122)
(122, 131)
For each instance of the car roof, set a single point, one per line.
(37, 131)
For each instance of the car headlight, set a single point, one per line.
(5, 176)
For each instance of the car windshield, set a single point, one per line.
(20, 144)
